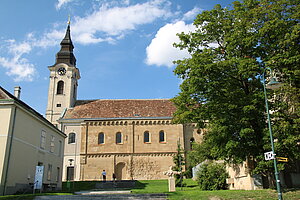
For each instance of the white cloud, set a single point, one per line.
(48, 39)
(15, 61)
(20, 68)
(161, 52)
(191, 15)
(17, 66)
(108, 23)
(19, 49)
(60, 3)
(111, 23)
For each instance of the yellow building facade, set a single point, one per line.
(134, 139)
(27, 140)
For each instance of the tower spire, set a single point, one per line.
(65, 55)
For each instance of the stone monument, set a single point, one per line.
(170, 173)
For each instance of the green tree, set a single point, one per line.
(222, 81)
(212, 176)
(178, 160)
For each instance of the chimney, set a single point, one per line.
(17, 92)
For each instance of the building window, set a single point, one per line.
(146, 137)
(101, 138)
(118, 138)
(59, 148)
(58, 105)
(52, 144)
(43, 140)
(49, 172)
(71, 138)
(162, 137)
(58, 174)
(60, 87)
(74, 91)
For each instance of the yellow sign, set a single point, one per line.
(282, 159)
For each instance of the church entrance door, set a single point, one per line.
(70, 173)
(120, 171)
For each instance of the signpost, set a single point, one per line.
(282, 159)
(269, 155)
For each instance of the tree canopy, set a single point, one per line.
(222, 87)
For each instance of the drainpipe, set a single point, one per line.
(9, 150)
(133, 151)
(86, 149)
(133, 142)
(86, 141)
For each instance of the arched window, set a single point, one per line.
(146, 137)
(71, 138)
(101, 138)
(60, 87)
(74, 91)
(162, 137)
(118, 138)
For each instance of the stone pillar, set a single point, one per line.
(171, 180)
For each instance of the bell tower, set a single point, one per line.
(64, 76)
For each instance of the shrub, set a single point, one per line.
(188, 172)
(178, 160)
(212, 176)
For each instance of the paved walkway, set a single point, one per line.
(105, 196)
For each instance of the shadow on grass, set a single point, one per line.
(74, 186)
(140, 185)
(190, 186)
(284, 190)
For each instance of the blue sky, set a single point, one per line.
(123, 48)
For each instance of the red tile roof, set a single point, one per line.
(128, 108)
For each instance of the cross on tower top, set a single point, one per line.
(69, 20)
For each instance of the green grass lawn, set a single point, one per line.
(151, 186)
(190, 191)
(232, 194)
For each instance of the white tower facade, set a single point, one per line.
(64, 76)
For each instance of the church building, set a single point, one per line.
(131, 138)
(134, 139)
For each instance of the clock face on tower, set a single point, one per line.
(61, 71)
